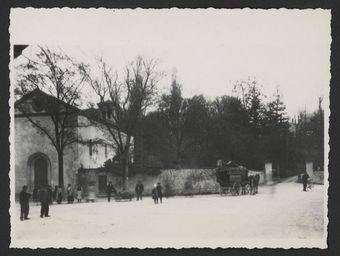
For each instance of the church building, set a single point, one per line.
(36, 159)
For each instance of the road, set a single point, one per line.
(281, 215)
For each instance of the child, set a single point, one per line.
(79, 193)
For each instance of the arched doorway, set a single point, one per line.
(40, 173)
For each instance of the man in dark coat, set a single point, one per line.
(139, 190)
(305, 177)
(24, 203)
(155, 194)
(109, 190)
(159, 192)
(44, 200)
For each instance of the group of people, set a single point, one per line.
(46, 196)
(157, 193)
(55, 195)
(43, 195)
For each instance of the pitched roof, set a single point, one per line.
(39, 93)
(93, 114)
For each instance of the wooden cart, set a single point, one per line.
(233, 179)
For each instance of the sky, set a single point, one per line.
(209, 49)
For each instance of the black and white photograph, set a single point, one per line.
(169, 128)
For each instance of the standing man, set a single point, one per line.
(44, 200)
(155, 194)
(159, 192)
(305, 177)
(139, 190)
(109, 190)
(24, 203)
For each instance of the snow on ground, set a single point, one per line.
(279, 216)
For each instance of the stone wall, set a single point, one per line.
(189, 181)
(99, 138)
(174, 182)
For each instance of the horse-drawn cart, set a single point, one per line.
(233, 178)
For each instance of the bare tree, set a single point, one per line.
(58, 83)
(124, 103)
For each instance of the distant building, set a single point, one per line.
(36, 161)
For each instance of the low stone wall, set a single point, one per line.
(189, 181)
(182, 181)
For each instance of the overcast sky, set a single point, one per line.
(210, 49)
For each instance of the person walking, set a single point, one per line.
(139, 190)
(24, 203)
(44, 200)
(59, 195)
(69, 191)
(305, 177)
(109, 190)
(159, 192)
(79, 193)
(155, 194)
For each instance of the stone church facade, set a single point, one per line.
(36, 160)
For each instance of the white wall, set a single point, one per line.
(99, 136)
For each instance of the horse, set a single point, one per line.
(251, 184)
(256, 183)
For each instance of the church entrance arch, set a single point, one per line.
(39, 168)
(40, 173)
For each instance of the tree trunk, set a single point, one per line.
(178, 154)
(126, 170)
(61, 169)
